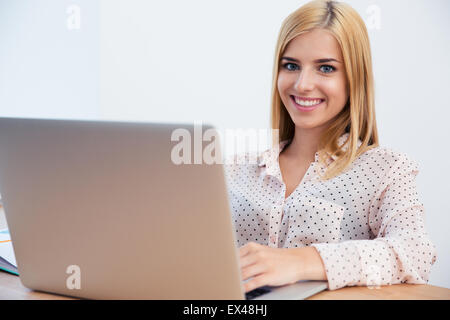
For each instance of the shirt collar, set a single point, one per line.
(269, 158)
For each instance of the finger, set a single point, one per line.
(248, 260)
(256, 282)
(247, 248)
(252, 271)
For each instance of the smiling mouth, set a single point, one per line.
(307, 102)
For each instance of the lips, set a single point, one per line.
(306, 104)
(307, 98)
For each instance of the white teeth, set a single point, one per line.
(308, 103)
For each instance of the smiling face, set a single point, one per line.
(312, 82)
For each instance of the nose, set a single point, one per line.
(305, 81)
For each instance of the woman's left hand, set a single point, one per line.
(270, 266)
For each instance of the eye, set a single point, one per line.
(327, 68)
(286, 66)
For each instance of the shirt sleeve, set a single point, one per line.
(401, 251)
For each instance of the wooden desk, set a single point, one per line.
(394, 292)
(12, 288)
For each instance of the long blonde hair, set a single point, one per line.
(358, 116)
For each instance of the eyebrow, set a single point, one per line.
(315, 61)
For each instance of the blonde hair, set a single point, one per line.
(358, 116)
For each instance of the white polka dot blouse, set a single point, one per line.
(367, 223)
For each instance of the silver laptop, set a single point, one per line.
(99, 210)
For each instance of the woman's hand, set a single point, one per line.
(278, 266)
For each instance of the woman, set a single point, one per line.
(327, 202)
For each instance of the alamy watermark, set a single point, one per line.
(204, 146)
(73, 21)
(373, 21)
(73, 281)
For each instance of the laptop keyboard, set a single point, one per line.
(257, 292)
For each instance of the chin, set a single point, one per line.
(302, 125)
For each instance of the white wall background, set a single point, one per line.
(47, 69)
(211, 61)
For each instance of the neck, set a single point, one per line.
(304, 144)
